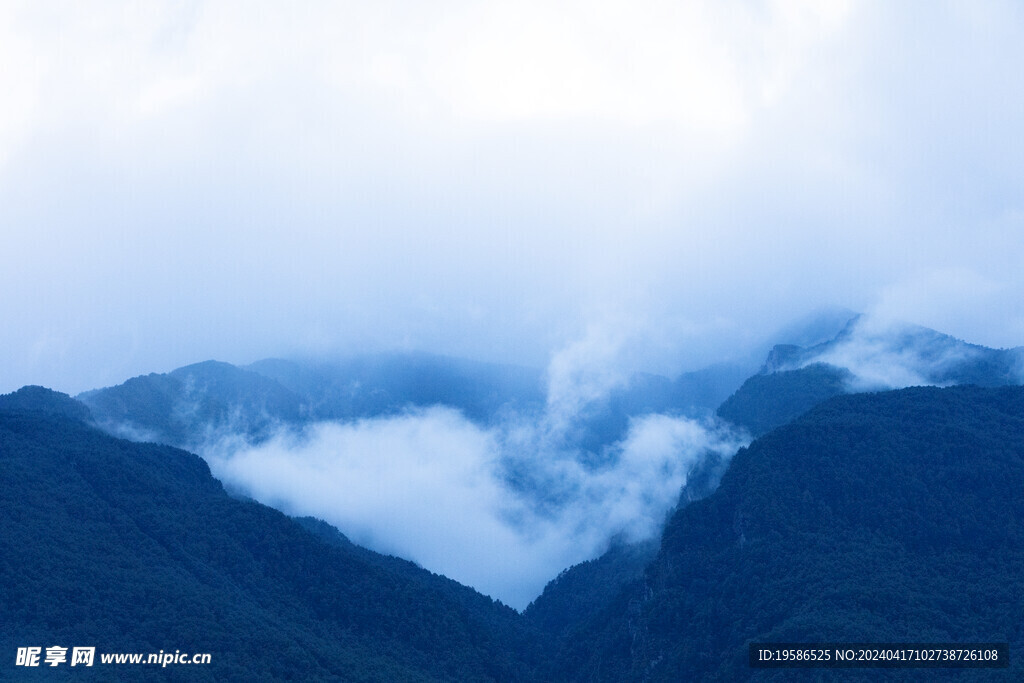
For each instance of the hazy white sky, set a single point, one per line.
(234, 180)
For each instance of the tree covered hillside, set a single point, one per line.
(890, 517)
(136, 548)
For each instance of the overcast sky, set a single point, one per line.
(234, 180)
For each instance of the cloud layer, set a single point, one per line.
(435, 488)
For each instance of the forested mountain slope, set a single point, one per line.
(889, 517)
(135, 548)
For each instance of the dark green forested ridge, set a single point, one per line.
(136, 548)
(896, 516)
(766, 401)
(583, 590)
(36, 399)
(892, 517)
(189, 405)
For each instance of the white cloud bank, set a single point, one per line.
(430, 486)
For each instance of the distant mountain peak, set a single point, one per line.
(781, 357)
(42, 400)
(867, 354)
(890, 354)
(816, 327)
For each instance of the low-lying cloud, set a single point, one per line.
(433, 487)
(886, 353)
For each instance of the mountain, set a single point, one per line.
(132, 547)
(36, 399)
(865, 355)
(877, 517)
(701, 391)
(766, 401)
(698, 393)
(816, 327)
(387, 384)
(886, 355)
(186, 406)
(874, 517)
(587, 588)
(584, 590)
(190, 405)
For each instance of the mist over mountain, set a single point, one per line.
(387, 384)
(586, 392)
(132, 547)
(868, 354)
(199, 403)
(550, 467)
(888, 354)
(423, 179)
(459, 466)
(498, 291)
(191, 405)
(791, 381)
(870, 518)
(882, 517)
